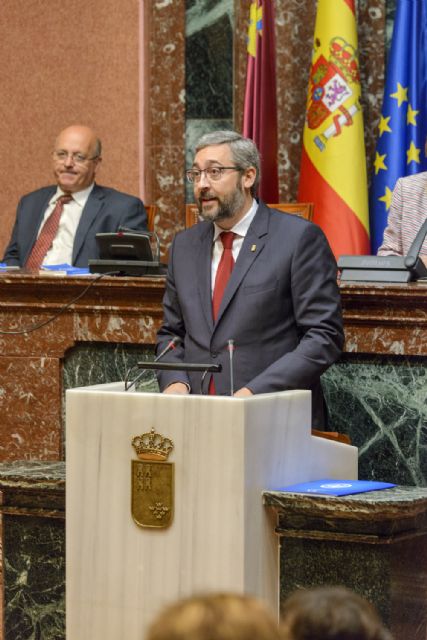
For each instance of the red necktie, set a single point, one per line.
(223, 273)
(46, 235)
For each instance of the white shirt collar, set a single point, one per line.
(79, 196)
(241, 228)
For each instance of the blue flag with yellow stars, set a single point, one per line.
(402, 131)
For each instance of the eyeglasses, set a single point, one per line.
(212, 173)
(77, 158)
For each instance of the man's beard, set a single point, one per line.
(228, 206)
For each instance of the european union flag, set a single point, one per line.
(403, 123)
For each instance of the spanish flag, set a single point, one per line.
(333, 164)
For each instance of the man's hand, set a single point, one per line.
(244, 392)
(177, 387)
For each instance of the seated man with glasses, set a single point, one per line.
(248, 282)
(58, 224)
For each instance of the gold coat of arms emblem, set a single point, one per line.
(152, 481)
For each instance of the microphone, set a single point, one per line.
(230, 360)
(412, 261)
(172, 344)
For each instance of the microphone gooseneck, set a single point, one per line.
(230, 360)
(172, 344)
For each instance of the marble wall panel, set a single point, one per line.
(372, 46)
(164, 113)
(116, 327)
(89, 364)
(363, 568)
(30, 408)
(62, 66)
(408, 616)
(55, 336)
(33, 535)
(209, 71)
(382, 405)
(34, 576)
(167, 169)
(209, 59)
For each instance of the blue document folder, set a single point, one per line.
(68, 269)
(331, 487)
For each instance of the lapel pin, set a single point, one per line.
(253, 247)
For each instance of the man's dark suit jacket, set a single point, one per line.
(281, 307)
(105, 211)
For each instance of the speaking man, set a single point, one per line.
(269, 286)
(58, 224)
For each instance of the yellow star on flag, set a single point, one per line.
(383, 125)
(401, 94)
(379, 162)
(413, 154)
(410, 116)
(387, 198)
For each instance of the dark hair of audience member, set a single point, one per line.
(330, 613)
(221, 616)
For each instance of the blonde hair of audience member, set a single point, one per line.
(330, 613)
(221, 616)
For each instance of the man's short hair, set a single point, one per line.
(97, 148)
(244, 151)
(330, 613)
(221, 616)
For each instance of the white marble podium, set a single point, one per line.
(227, 451)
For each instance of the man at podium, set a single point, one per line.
(250, 288)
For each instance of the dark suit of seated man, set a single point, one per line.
(281, 304)
(93, 209)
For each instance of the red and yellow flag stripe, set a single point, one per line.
(333, 165)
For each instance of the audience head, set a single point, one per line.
(221, 616)
(76, 158)
(330, 613)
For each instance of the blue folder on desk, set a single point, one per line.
(67, 268)
(332, 487)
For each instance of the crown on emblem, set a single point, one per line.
(152, 446)
(344, 55)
